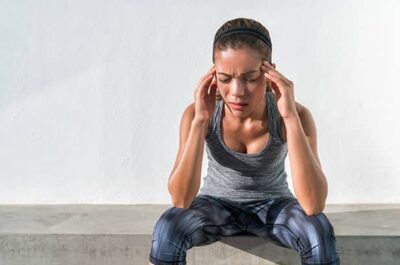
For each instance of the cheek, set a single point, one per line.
(222, 91)
(222, 86)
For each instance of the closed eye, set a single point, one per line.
(253, 80)
(248, 80)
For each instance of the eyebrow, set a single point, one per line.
(249, 72)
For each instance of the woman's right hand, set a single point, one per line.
(204, 100)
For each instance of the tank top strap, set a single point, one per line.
(274, 117)
(214, 117)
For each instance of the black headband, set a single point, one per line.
(249, 31)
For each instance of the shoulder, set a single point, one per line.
(190, 110)
(301, 109)
(188, 114)
(306, 118)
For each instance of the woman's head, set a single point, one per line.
(223, 41)
(237, 57)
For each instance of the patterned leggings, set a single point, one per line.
(281, 220)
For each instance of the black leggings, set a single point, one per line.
(281, 220)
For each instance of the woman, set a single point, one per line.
(246, 112)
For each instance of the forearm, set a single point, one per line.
(309, 181)
(185, 181)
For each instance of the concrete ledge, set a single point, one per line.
(121, 234)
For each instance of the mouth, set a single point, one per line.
(238, 106)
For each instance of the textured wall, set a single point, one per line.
(92, 92)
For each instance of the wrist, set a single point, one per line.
(200, 121)
(292, 118)
(201, 125)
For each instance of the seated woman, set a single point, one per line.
(245, 111)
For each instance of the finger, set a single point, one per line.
(203, 79)
(275, 89)
(272, 71)
(277, 80)
(210, 71)
(213, 87)
(212, 68)
(270, 74)
(214, 80)
(205, 84)
(206, 76)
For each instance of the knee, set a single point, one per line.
(314, 236)
(318, 240)
(320, 229)
(174, 225)
(169, 223)
(317, 229)
(168, 244)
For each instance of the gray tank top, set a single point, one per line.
(245, 177)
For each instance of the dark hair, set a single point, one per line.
(236, 41)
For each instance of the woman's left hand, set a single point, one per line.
(284, 91)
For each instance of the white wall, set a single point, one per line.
(92, 92)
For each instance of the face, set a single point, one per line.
(240, 79)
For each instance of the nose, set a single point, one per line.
(238, 89)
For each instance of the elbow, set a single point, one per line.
(180, 197)
(179, 201)
(314, 210)
(182, 205)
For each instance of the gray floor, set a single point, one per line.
(121, 234)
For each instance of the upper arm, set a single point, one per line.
(309, 127)
(310, 130)
(184, 129)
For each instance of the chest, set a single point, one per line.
(248, 139)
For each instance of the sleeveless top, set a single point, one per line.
(245, 177)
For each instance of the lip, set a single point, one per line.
(239, 103)
(238, 106)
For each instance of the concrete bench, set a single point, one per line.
(121, 235)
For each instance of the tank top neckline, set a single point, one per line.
(269, 120)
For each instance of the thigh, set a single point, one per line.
(179, 229)
(204, 222)
(286, 223)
